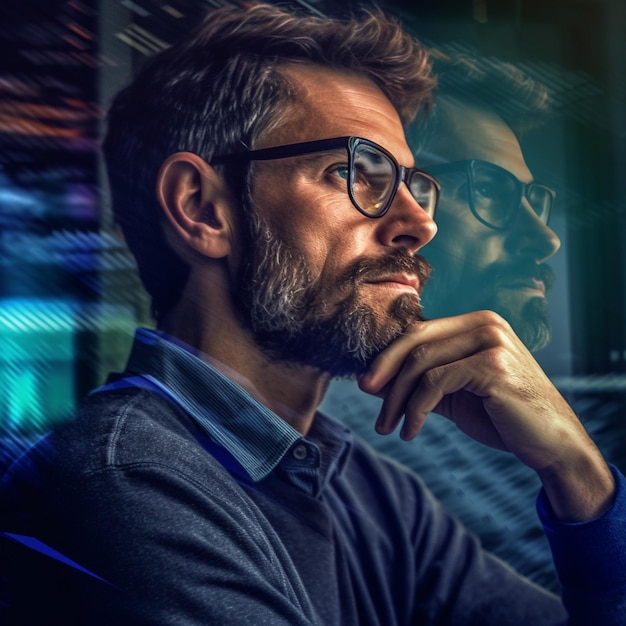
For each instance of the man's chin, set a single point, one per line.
(343, 345)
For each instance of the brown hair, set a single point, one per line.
(222, 86)
(486, 83)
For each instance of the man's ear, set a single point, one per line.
(196, 203)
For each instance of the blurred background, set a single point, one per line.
(69, 296)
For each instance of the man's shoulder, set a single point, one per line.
(115, 428)
(123, 445)
(113, 431)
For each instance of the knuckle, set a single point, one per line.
(495, 364)
(491, 335)
(491, 318)
(493, 329)
(497, 358)
(418, 354)
(431, 377)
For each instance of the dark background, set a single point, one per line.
(69, 297)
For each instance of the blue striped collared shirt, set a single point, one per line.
(246, 436)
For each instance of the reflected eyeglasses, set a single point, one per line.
(372, 173)
(495, 195)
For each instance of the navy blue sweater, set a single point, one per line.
(165, 526)
(129, 493)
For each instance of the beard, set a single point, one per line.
(529, 317)
(297, 319)
(530, 320)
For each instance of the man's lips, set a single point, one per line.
(519, 284)
(403, 282)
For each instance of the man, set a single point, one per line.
(493, 219)
(490, 252)
(266, 153)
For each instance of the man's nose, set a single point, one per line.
(406, 224)
(532, 237)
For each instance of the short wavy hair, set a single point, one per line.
(222, 86)
(489, 83)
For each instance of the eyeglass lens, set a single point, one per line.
(497, 194)
(375, 178)
(424, 191)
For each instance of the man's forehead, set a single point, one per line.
(329, 102)
(469, 131)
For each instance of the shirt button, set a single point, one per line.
(300, 452)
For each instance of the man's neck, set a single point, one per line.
(290, 390)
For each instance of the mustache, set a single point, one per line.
(398, 261)
(521, 271)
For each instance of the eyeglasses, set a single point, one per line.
(495, 194)
(373, 175)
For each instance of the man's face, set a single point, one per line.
(477, 267)
(324, 285)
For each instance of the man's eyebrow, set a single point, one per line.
(317, 154)
(325, 154)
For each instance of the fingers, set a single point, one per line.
(432, 360)
(423, 342)
(414, 395)
(474, 370)
(419, 386)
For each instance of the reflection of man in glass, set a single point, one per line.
(493, 234)
(489, 253)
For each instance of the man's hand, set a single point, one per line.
(475, 371)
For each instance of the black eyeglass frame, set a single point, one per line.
(523, 189)
(350, 143)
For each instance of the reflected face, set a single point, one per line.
(475, 266)
(324, 285)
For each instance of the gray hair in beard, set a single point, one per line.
(288, 314)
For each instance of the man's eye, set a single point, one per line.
(454, 190)
(342, 171)
(487, 190)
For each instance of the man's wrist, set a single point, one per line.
(580, 489)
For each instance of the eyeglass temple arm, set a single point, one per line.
(283, 152)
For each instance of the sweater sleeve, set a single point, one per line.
(433, 563)
(590, 558)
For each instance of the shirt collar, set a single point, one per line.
(256, 437)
